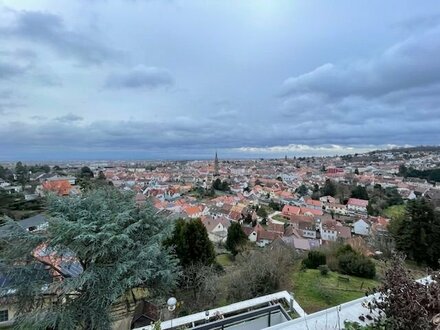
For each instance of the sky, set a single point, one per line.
(181, 79)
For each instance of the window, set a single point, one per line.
(4, 315)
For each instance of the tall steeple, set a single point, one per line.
(216, 167)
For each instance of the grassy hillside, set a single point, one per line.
(395, 211)
(314, 291)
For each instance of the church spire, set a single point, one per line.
(216, 167)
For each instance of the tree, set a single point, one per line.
(217, 184)
(202, 282)
(22, 173)
(220, 185)
(115, 246)
(236, 238)
(359, 192)
(302, 190)
(101, 175)
(404, 303)
(191, 243)
(380, 199)
(248, 218)
(316, 192)
(356, 171)
(353, 263)
(45, 168)
(86, 172)
(329, 188)
(2, 172)
(432, 175)
(275, 206)
(314, 259)
(6, 174)
(260, 272)
(224, 186)
(418, 233)
(261, 212)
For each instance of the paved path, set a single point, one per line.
(270, 216)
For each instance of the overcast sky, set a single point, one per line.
(170, 79)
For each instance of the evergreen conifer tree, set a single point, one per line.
(104, 248)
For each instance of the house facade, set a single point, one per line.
(362, 227)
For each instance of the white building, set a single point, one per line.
(362, 227)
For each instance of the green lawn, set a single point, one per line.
(315, 292)
(395, 211)
(279, 217)
(224, 260)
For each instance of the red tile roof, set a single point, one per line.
(291, 210)
(357, 202)
(305, 210)
(60, 187)
(310, 201)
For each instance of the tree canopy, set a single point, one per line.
(86, 172)
(115, 245)
(329, 188)
(381, 199)
(220, 185)
(22, 173)
(261, 212)
(418, 233)
(236, 238)
(359, 192)
(191, 243)
(302, 190)
(259, 272)
(432, 175)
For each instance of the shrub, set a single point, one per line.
(323, 269)
(344, 249)
(352, 263)
(314, 259)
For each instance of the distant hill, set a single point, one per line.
(409, 149)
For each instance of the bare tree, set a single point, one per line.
(405, 303)
(202, 282)
(259, 272)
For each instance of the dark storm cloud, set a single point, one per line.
(140, 77)
(249, 77)
(49, 29)
(186, 134)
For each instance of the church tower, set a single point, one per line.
(216, 167)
